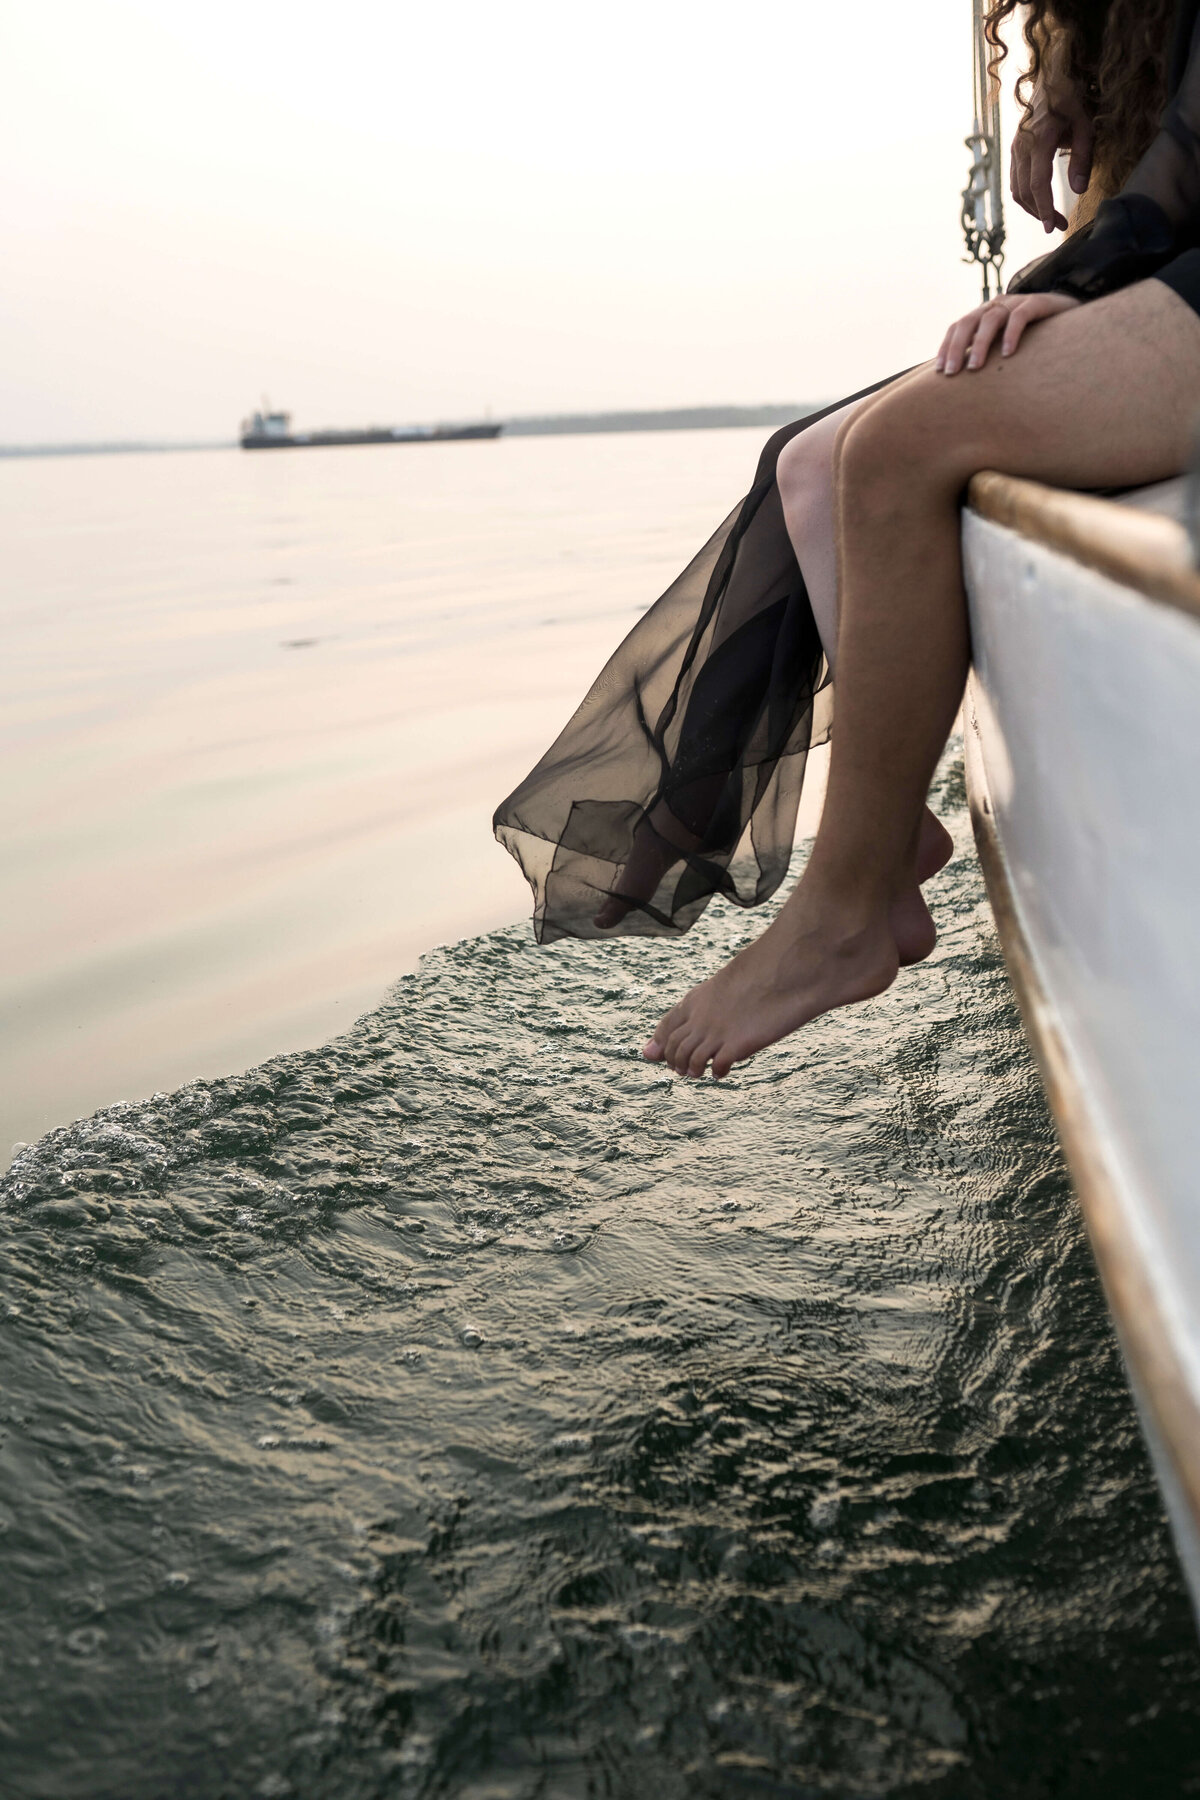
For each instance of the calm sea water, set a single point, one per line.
(464, 1408)
(258, 713)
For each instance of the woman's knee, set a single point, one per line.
(916, 435)
(804, 470)
(796, 469)
(870, 445)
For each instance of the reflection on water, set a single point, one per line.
(465, 1409)
(259, 711)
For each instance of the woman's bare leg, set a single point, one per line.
(804, 473)
(1102, 396)
(805, 478)
(806, 490)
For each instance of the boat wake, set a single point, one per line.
(466, 1408)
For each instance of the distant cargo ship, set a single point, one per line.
(273, 431)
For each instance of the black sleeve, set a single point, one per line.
(1157, 212)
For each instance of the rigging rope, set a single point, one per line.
(983, 197)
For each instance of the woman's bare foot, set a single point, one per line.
(649, 860)
(806, 963)
(911, 920)
(935, 846)
(800, 967)
(913, 930)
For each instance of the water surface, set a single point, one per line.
(467, 1409)
(258, 713)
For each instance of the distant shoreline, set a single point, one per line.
(685, 418)
(680, 418)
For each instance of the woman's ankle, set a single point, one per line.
(838, 910)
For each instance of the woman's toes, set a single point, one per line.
(656, 1049)
(698, 1060)
(681, 1036)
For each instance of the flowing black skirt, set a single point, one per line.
(688, 753)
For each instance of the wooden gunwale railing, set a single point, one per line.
(1142, 550)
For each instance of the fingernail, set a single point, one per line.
(940, 365)
(972, 362)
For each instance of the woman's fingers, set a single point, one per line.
(969, 341)
(944, 350)
(986, 333)
(953, 352)
(1079, 167)
(1018, 172)
(1018, 319)
(1041, 182)
(1031, 170)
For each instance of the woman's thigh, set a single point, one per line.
(1105, 396)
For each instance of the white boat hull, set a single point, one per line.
(1083, 753)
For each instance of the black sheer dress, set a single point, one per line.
(688, 754)
(691, 743)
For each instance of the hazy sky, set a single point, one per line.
(402, 211)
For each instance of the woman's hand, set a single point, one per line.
(1056, 120)
(970, 339)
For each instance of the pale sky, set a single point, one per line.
(405, 212)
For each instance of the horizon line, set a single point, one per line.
(712, 417)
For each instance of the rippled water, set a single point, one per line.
(465, 1408)
(258, 714)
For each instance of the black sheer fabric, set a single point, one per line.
(686, 760)
(1156, 216)
(679, 777)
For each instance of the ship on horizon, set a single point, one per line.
(267, 430)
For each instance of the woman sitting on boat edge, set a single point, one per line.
(690, 747)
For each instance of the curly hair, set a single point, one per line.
(1116, 53)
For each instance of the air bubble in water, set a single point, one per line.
(823, 1511)
(571, 1440)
